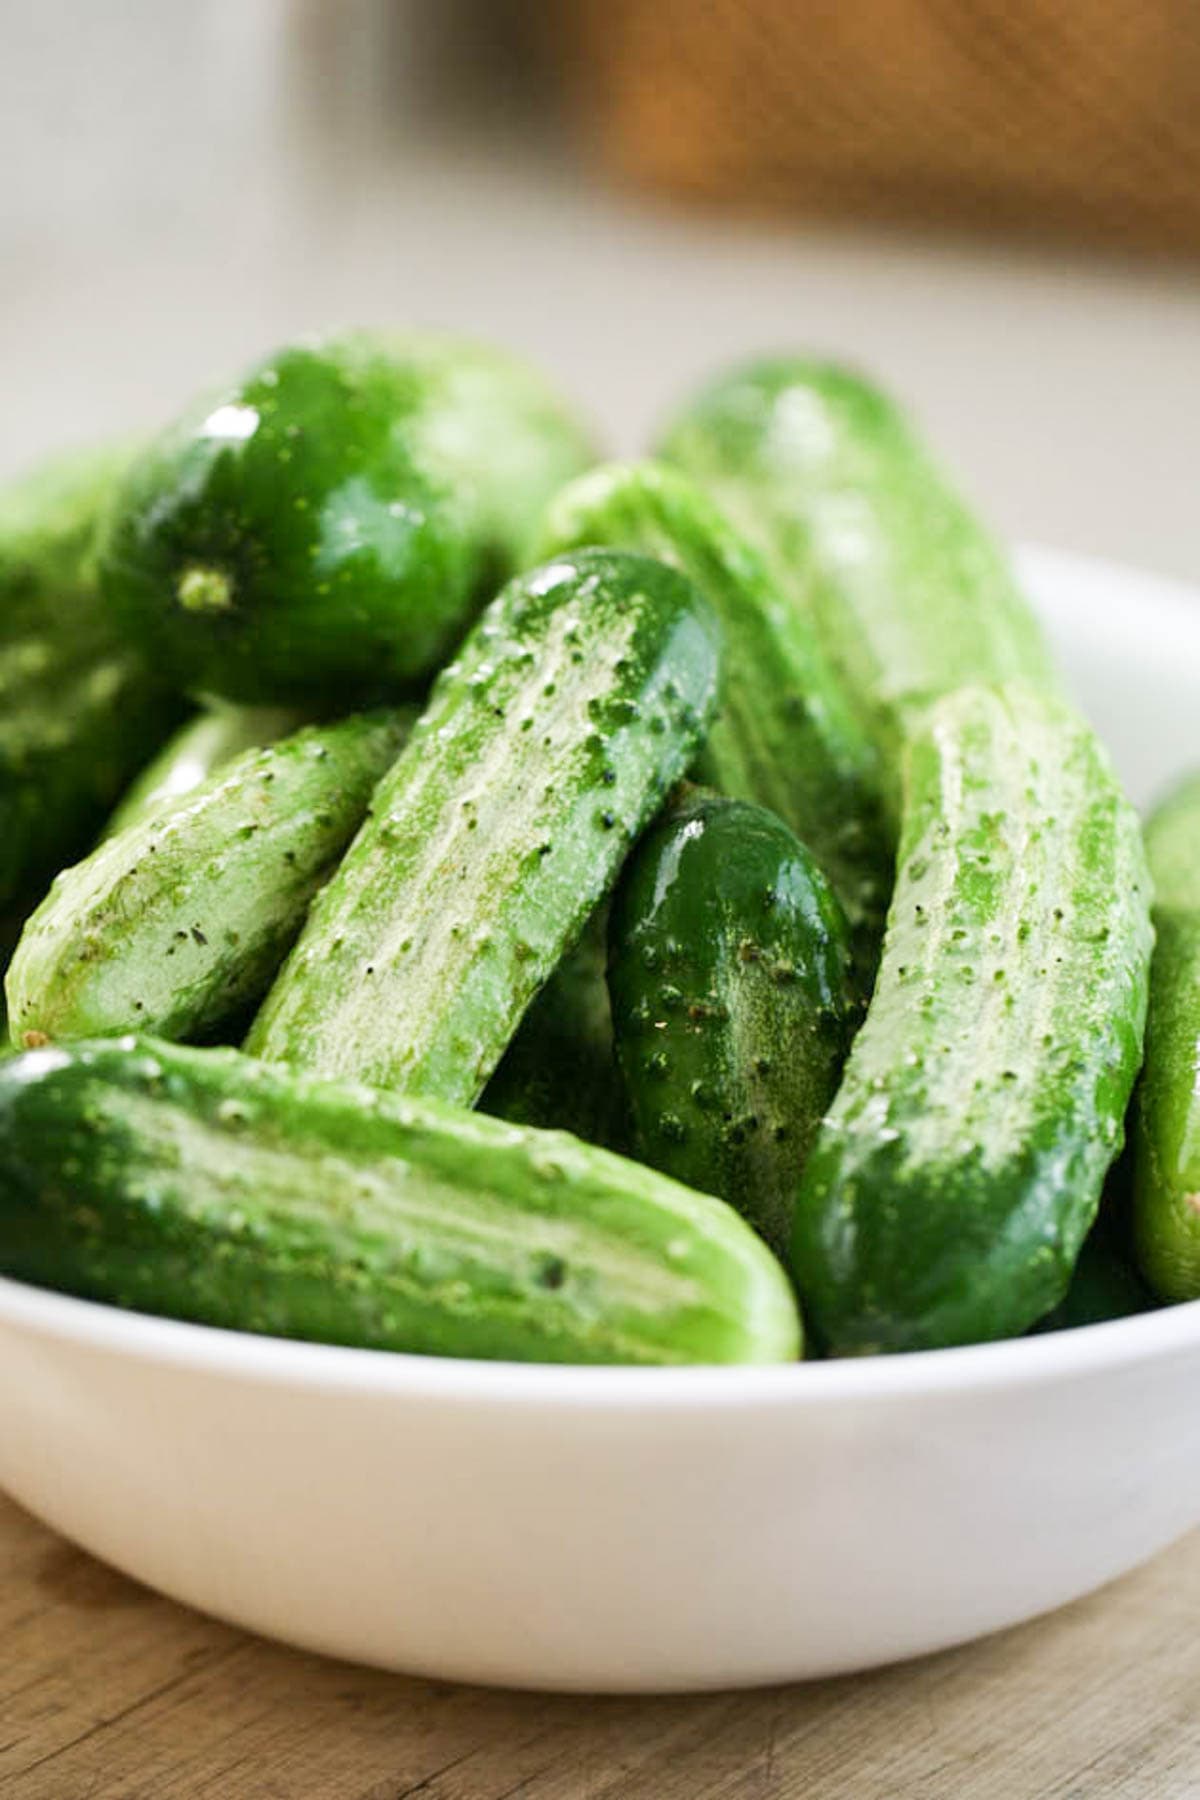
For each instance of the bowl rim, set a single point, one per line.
(1075, 1352)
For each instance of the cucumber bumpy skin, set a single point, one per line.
(960, 1166)
(1166, 1204)
(909, 596)
(180, 922)
(79, 711)
(323, 532)
(577, 700)
(197, 750)
(733, 1003)
(205, 1186)
(785, 736)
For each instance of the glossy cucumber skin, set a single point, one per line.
(179, 923)
(79, 711)
(197, 750)
(785, 735)
(908, 595)
(203, 1185)
(961, 1163)
(575, 703)
(1167, 1133)
(559, 1072)
(1104, 1286)
(323, 531)
(733, 1002)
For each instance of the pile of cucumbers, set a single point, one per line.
(471, 900)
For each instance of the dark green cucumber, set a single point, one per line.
(1104, 1286)
(206, 1186)
(733, 1002)
(577, 700)
(959, 1168)
(198, 749)
(179, 923)
(909, 596)
(785, 736)
(79, 712)
(559, 1071)
(1167, 1137)
(49, 520)
(326, 528)
(77, 719)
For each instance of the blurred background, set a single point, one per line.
(994, 204)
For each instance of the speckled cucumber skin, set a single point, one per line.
(785, 736)
(180, 922)
(1167, 1137)
(325, 529)
(203, 1185)
(908, 595)
(197, 750)
(961, 1163)
(577, 700)
(79, 710)
(733, 1002)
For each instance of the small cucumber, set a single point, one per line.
(79, 711)
(560, 1071)
(960, 1165)
(908, 595)
(729, 970)
(206, 1186)
(785, 736)
(49, 520)
(1167, 1137)
(198, 749)
(581, 695)
(1104, 1286)
(325, 529)
(180, 921)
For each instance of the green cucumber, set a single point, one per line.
(198, 749)
(49, 520)
(79, 711)
(180, 922)
(325, 529)
(784, 736)
(559, 1071)
(577, 700)
(205, 1186)
(1166, 1205)
(733, 1004)
(908, 595)
(1104, 1286)
(959, 1168)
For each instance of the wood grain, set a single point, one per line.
(108, 1692)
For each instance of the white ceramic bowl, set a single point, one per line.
(630, 1529)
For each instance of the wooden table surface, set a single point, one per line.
(109, 1693)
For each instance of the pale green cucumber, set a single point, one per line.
(575, 702)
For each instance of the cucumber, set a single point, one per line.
(577, 700)
(959, 1168)
(205, 1186)
(1104, 1286)
(559, 1071)
(198, 749)
(908, 595)
(785, 736)
(1166, 1206)
(49, 519)
(733, 1004)
(180, 921)
(77, 718)
(324, 530)
(79, 711)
